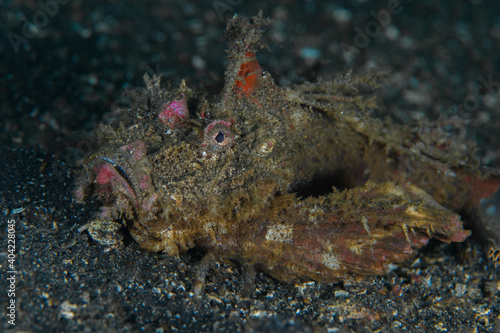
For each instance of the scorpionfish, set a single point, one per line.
(299, 182)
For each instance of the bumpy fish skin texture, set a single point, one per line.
(248, 174)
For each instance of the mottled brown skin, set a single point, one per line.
(233, 196)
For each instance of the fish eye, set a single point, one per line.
(218, 134)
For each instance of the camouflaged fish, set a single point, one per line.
(299, 182)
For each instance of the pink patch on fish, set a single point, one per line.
(106, 174)
(174, 113)
(145, 182)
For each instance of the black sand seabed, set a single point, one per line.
(73, 68)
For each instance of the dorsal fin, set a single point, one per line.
(243, 70)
